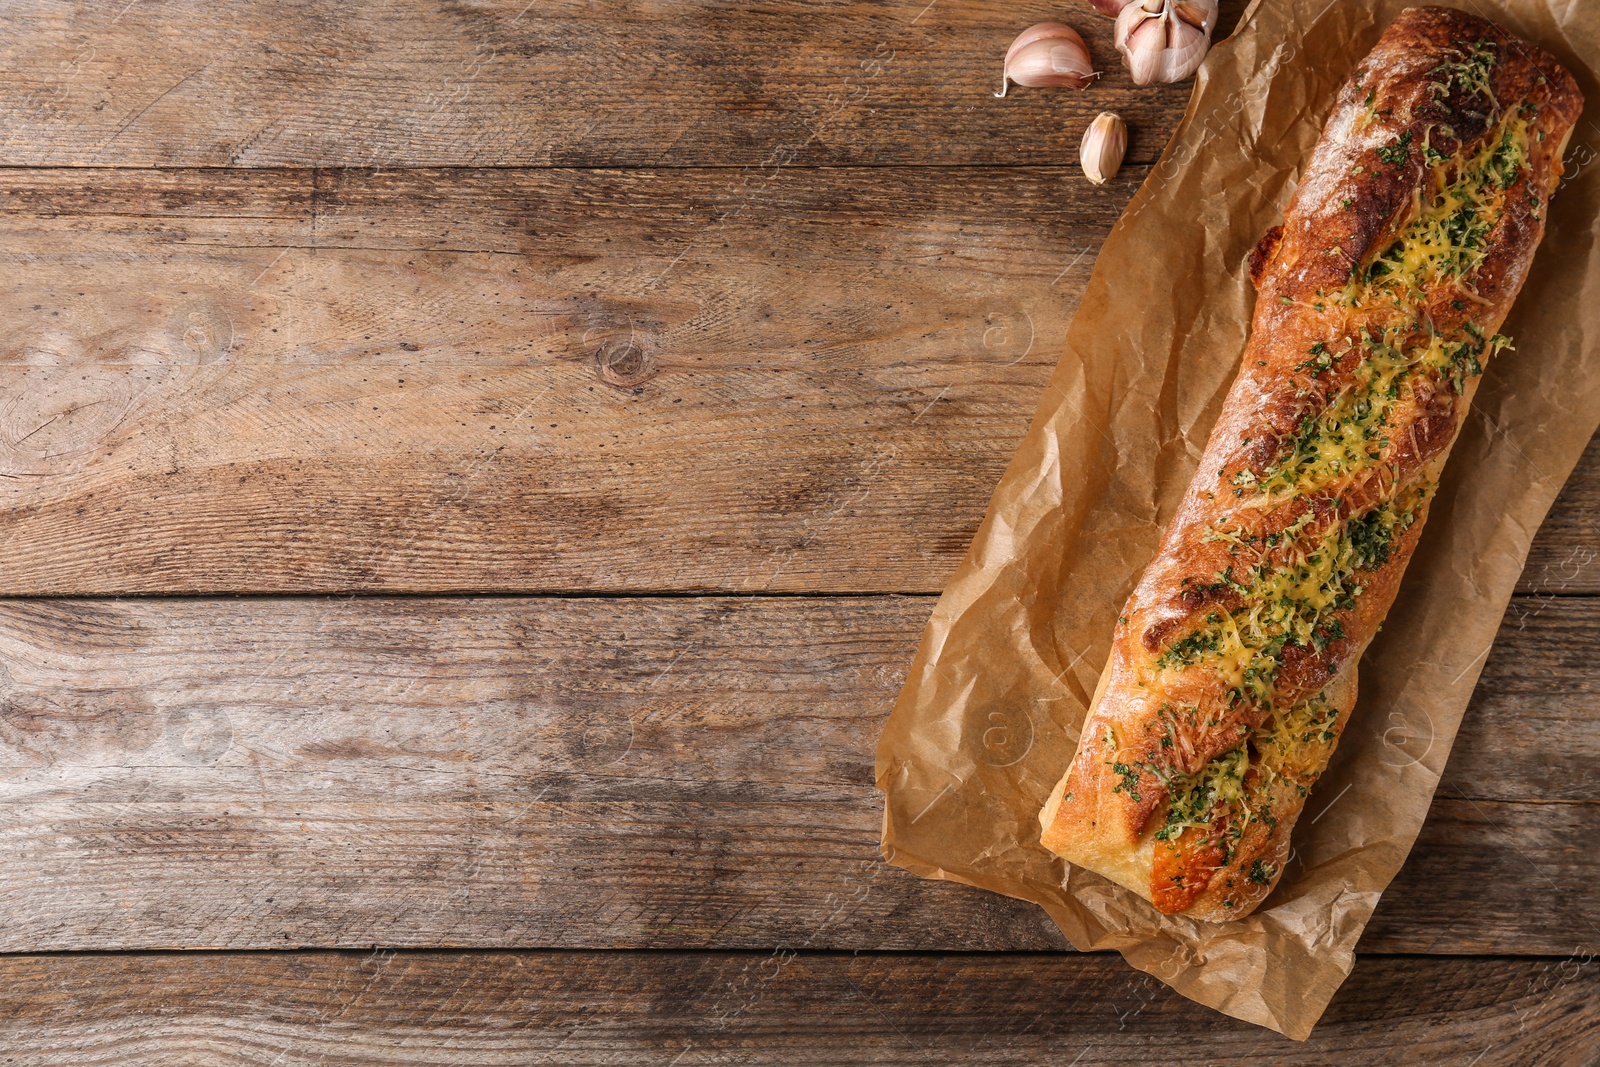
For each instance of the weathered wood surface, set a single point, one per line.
(536, 380)
(711, 367)
(472, 380)
(1565, 558)
(415, 1009)
(658, 772)
(509, 82)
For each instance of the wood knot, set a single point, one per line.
(63, 414)
(203, 334)
(623, 364)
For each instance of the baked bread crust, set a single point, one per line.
(1233, 666)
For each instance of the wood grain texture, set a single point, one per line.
(1565, 557)
(659, 772)
(479, 380)
(508, 381)
(503, 82)
(490, 1009)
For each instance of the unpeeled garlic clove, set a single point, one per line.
(1195, 14)
(1050, 53)
(1142, 49)
(1109, 8)
(1041, 31)
(1165, 40)
(1102, 148)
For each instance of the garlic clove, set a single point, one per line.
(1186, 47)
(1195, 14)
(1165, 40)
(1142, 49)
(1110, 8)
(1039, 31)
(1048, 54)
(1104, 144)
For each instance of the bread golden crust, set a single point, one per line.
(1233, 666)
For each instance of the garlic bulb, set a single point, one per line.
(1103, 145)
(1050, 53)
(1165, 40)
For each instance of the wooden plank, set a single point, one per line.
(287, 1009)
(1504, 857)
(503, 82)
(1531, 732)
(659, 772)
(263, 773)
(513, 381)
(574, 384)
(1565, 558)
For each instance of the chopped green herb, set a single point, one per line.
(1398, 150)
(1130, 781)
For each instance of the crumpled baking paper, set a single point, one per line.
(989, 716)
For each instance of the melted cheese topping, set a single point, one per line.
(1292, 744)
(1445, 240)
(1302, 578)
(1352, 433)
(1290, 600)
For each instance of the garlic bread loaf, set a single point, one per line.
(1379, 303)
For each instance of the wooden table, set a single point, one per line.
(474, 474)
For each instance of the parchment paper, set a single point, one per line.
(989, 716)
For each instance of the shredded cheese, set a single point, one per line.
(1445, 240)
(1291, 589)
